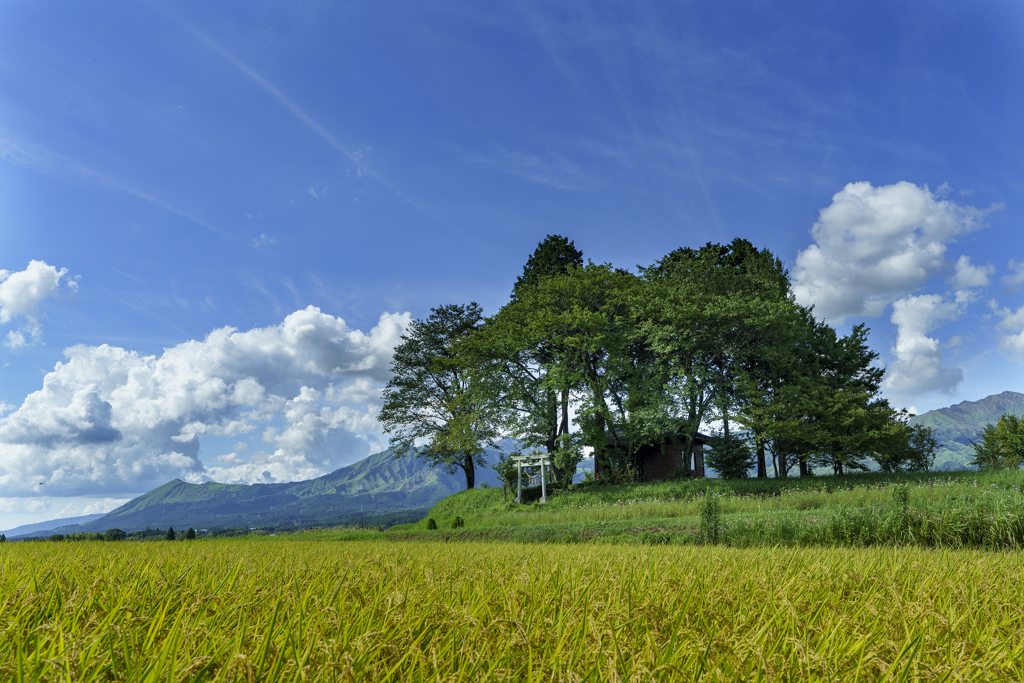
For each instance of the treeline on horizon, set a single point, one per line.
(702, 335)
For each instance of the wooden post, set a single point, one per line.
(519, 492)
(698, 460)
(543, 485)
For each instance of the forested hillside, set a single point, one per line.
(956, 426)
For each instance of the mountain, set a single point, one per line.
(47, 526)
(958, 424)
(378, 484)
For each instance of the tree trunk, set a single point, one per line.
(691, 416)
(467, 466)
(762, 468)
(782, 469)
(804, 472)
(601, 441)
(563, 428)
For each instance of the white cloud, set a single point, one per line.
(968, 275)
(22, 293)
(874, 245)
(103, 506)
(15, 340)
(1012, 324)
(111, 421)
(1017, 273)
(262, 241)
(918, 367)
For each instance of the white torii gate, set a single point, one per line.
(532, 461)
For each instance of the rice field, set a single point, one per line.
(280, 609)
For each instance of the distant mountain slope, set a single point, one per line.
(46, 526)
(376, 484)
(958, 424)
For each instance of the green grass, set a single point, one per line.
(291, 609)
(972, 509)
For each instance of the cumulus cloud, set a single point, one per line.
(968, 275)
(109, 420)
(918, 367)
(22, 293)
(874, 245)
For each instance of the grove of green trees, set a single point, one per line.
(591, 356)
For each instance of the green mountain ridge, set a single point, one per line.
(377, 484)
(956, 426)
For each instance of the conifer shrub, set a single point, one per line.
(458, 522)
(710, 527)
(431, 524)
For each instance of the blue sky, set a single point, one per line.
(169, 170)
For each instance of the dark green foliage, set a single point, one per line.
(114, 535)
(710, 520)
(190, 535)
(553, 256)
(431, 524)
(3, 538)
(729, 455)
(647, 537)
(905, 447)
(170, 534)
(458, 522)
(1001, 446)
(57, 537)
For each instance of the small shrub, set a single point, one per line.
(679, 472)
(901, 496)
(458, 522)
(654, 538)
(431, 524)
(710, 519)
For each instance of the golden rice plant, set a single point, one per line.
(286, 610)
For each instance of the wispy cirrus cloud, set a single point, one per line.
(64, 168)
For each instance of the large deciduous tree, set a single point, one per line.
(432, 406)
(703, 313)
(513, 357)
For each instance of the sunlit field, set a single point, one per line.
(284, 609)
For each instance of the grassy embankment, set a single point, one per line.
(961, 509)
(288, 609)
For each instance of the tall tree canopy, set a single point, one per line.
(588, 355)
(432, 406)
